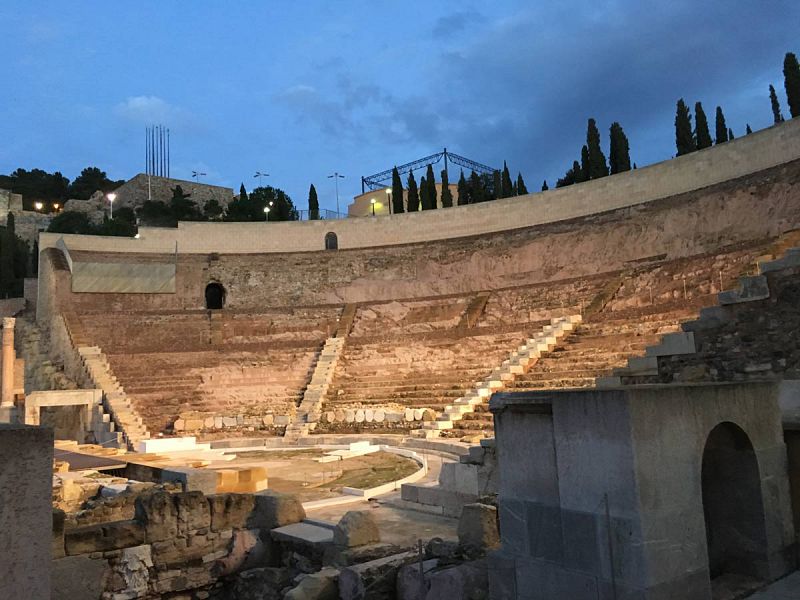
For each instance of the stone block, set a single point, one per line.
(77, 577)
(373, 579)
(267, 420)
(360, 416)
(281, 420)
(208, 423)
(218, 424)
(193, 512)
(317, 586)
(462, 582)
(229, 421)
(157, 514)
(356, 528)
(272, 509)
(263, 583)
(477, 529)
(750, 289)
(671, 344)
(229, 511)
(103, 537)
(58, 533)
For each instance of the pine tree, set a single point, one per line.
(497, 185)
(430, 180)
(545, 187)
(413, 193)
(747, 130)
(701, 134)
(582, 171)
(684, 140)
(397, 192)
(313, 204)
(721, 127)
(521, 187)
(791, 81)
(776, 106)
(730, 134)
(597, 160)
(463, 190)
(619, 156)
(447, 195)
(507, 187)
(242, 194)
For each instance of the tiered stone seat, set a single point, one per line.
(409, 316)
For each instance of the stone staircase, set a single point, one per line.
(41, 373)
(308, 413)
(516, 364)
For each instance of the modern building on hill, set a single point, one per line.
(362, 205)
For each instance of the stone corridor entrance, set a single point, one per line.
(215, 296)
(732, 505)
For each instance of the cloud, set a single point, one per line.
(150, 110)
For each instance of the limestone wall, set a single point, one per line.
(134, 192)
(758, 151)
(26, 458)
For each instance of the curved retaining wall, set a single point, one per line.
(749, 154)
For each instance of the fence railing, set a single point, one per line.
(324, 215)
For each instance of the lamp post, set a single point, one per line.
(111, 197)
(197, 175)
(336, 177)
(55, 206)
(38, 205)
(372, 201)
(389, 198)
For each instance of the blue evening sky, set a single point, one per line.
(304, 88)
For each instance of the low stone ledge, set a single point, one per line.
(102, 538)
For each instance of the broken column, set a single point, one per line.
(8, 357)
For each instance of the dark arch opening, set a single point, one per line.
(215, 296)
(732, 504)
(331, 241)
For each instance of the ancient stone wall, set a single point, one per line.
(752, 208)
(170, 544)
(134, 192)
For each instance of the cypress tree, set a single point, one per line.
(497, 185)
(597, 160)
(242, 194)
(721, 127)
(747, 130)
(730, 134)
(776, 106)
(507, 186)
(545, 187)
(463, 190)
(447, 195)
(477, 189)
(581, 171)
(521, 187)
(619, 156)
(313, 204)
(684, 140)
(7, 251)
(791, 81)
(701, 134)
(413, 193)
(430, 180)
(423, 193)
(397, 192)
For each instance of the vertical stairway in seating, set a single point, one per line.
(121, 413)
(517, 363)
(308, 413)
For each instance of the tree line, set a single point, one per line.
(15, 263)
(38, 185)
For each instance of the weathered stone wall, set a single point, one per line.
(744, 156)
(184, 543)
(752, 208)
(26, 459)
(134, 192)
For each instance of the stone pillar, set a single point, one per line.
(8, 357)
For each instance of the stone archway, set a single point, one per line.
(215, 296)
(732, 504)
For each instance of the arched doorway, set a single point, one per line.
(732, 504)
(331, 241)
(215, 296)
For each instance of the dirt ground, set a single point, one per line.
(296, 471)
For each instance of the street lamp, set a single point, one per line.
(197, 175)
(111, 197)
(336, 177)
(259, 174)
(372, 201)
(266, 212)
(389, 198)
(38, 205)
(55, 206)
